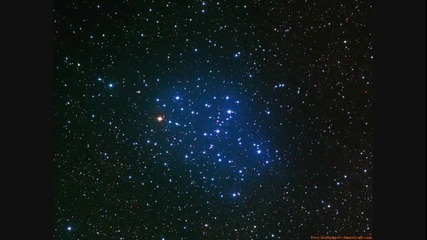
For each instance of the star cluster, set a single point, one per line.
(212, 119)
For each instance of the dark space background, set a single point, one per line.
(212, 119)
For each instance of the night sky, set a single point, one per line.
(212, 119)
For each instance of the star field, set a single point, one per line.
(212, 119)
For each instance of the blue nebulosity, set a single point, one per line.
(206, 136)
